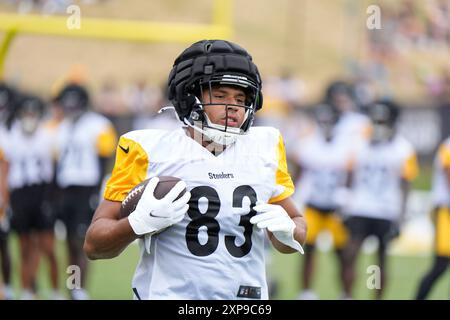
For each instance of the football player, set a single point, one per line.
(28, 152)
(86, 140)
(441, 219)
(209, 244)
(380, 177)
(323, 162)
(352, 126)
(8, 98)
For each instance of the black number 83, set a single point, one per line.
(208, 220)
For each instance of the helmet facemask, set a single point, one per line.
(326, 117)
(383, 122)
(30, 115)
(229, 130)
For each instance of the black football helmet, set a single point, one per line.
(340, 95)
(8, 101)
(210, 63)
(384, 115)
(30, 104)
(383, 112)
(326, 117)
(73, 98)
(30, 111)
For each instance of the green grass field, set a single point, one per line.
(110, 279)
(404, 278)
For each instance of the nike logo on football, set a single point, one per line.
(123, 149)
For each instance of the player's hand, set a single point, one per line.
(3, 208)
(276, 220)
(152, 215)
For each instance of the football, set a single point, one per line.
(165, 184)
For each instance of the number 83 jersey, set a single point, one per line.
(214, 252)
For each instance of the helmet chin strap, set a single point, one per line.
(217, 133)
(219, 137)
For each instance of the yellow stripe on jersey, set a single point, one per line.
(129, 170)
(444, 155)
(410, 168)
(2, 156)
(106, 142)
(282, 175)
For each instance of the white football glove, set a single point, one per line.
(152, 215)
(276, 220)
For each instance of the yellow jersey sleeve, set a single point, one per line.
(410, 168)
(106, 142)
(129, 169)
(444, 155)
(282, 176)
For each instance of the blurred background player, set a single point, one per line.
(441, 219)
(7, 104)
(28, 152)
(86, 141)
(323, 163)
(379, 182)
(352, 124)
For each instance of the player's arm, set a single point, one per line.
(410, 172)
(447, 174)
(286, 226)
(299, 233)
(405, 188)
(108, 235)
(4, 190)
(296, 169)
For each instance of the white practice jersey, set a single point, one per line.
(352, 127)
(441, 188)
(324, 166)
(378, 170)
(213, 253)
(80, 144)
(30, 157)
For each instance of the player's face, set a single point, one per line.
(381, 131)
(29, 122)
(343, 102)
(225, 111)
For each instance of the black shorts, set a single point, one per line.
(323, 210)
(29, 212)
(77, 208)
(362, 227)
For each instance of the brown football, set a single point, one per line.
(165, 184)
